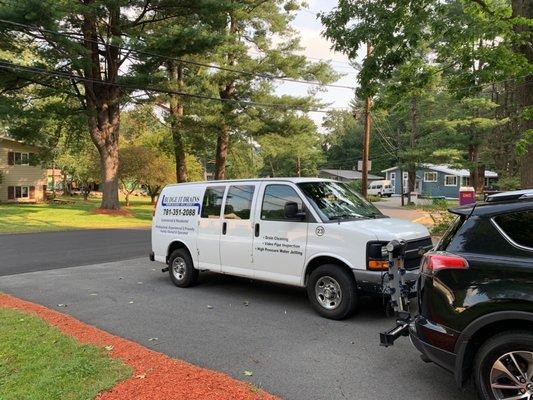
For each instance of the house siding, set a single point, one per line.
(432, 189)
(20, 175)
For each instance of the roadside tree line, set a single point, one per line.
(209, 68)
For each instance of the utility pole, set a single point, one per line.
(399, 164)
(366, 140)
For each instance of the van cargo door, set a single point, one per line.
(210, 228)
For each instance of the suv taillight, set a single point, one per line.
(433, 262)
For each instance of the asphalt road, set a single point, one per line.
(291, 351)
(29, 252)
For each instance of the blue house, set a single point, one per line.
(436, 180)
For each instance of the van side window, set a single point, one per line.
(274, 199)
(212, 202)
(239, 202)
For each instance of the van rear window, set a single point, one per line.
(212, 202)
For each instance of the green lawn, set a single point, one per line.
(37, 361)
(19, 218)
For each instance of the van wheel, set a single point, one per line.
(503, 365)
(331, 291)
(181, 270)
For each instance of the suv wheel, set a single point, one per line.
(503, 368)
(181, 270)
(331, 291)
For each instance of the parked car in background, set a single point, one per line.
(381, 188)
(308, 232)
(475, 298)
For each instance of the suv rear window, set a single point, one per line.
(450, 233)
(518, 227)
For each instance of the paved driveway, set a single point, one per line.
(291, 351)
(393, 208)
(48, 250)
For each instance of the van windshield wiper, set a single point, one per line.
(341, 217)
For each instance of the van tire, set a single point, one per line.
(181, 269)
(332, 276)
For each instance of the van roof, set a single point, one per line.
(293, 180)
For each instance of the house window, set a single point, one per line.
(20, 192)
(450, 180)
(22, 159)
(430, 177)
(465, 181)
(392, 177)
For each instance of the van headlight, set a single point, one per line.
(377, 256)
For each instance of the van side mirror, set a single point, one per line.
(290, 211)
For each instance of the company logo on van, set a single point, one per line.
(180, 201)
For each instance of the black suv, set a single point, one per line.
(475, 298)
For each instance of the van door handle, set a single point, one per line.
(224, 227)
(256, 230)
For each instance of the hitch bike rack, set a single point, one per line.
(399, 291)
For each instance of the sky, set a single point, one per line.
(316, 47)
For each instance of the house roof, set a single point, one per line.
(348, 174)
(446, 169)
(2, 137)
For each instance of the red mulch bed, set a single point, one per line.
(155, 375)
(121, 212)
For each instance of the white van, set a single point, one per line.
(381, 188)
(315, 233)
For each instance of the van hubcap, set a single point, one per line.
(511, 376)
(178, 268)
(328, 292)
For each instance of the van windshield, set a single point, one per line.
(337, 201)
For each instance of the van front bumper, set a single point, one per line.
(371, 282)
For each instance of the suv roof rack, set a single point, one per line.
(515, 195)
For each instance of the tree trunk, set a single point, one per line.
(298, 166)
(524, 8)
(477, 170)
(226, 94)
(102, 101)
(109, 171)
(176, 121)
(127, 195)
(222, 152)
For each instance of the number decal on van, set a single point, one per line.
(320, 230)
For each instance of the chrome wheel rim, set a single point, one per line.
(328, 292)
(511, 376)
(178, 268)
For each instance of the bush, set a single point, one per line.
(439, 202)
(442, 222)
(508, 183)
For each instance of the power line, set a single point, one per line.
(180, 60)
(67, 75)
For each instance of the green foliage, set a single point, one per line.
(37, 360)
(508, 183)
(442, 221)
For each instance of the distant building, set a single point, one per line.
(345, 175)
(436, 180)
(22, 176)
